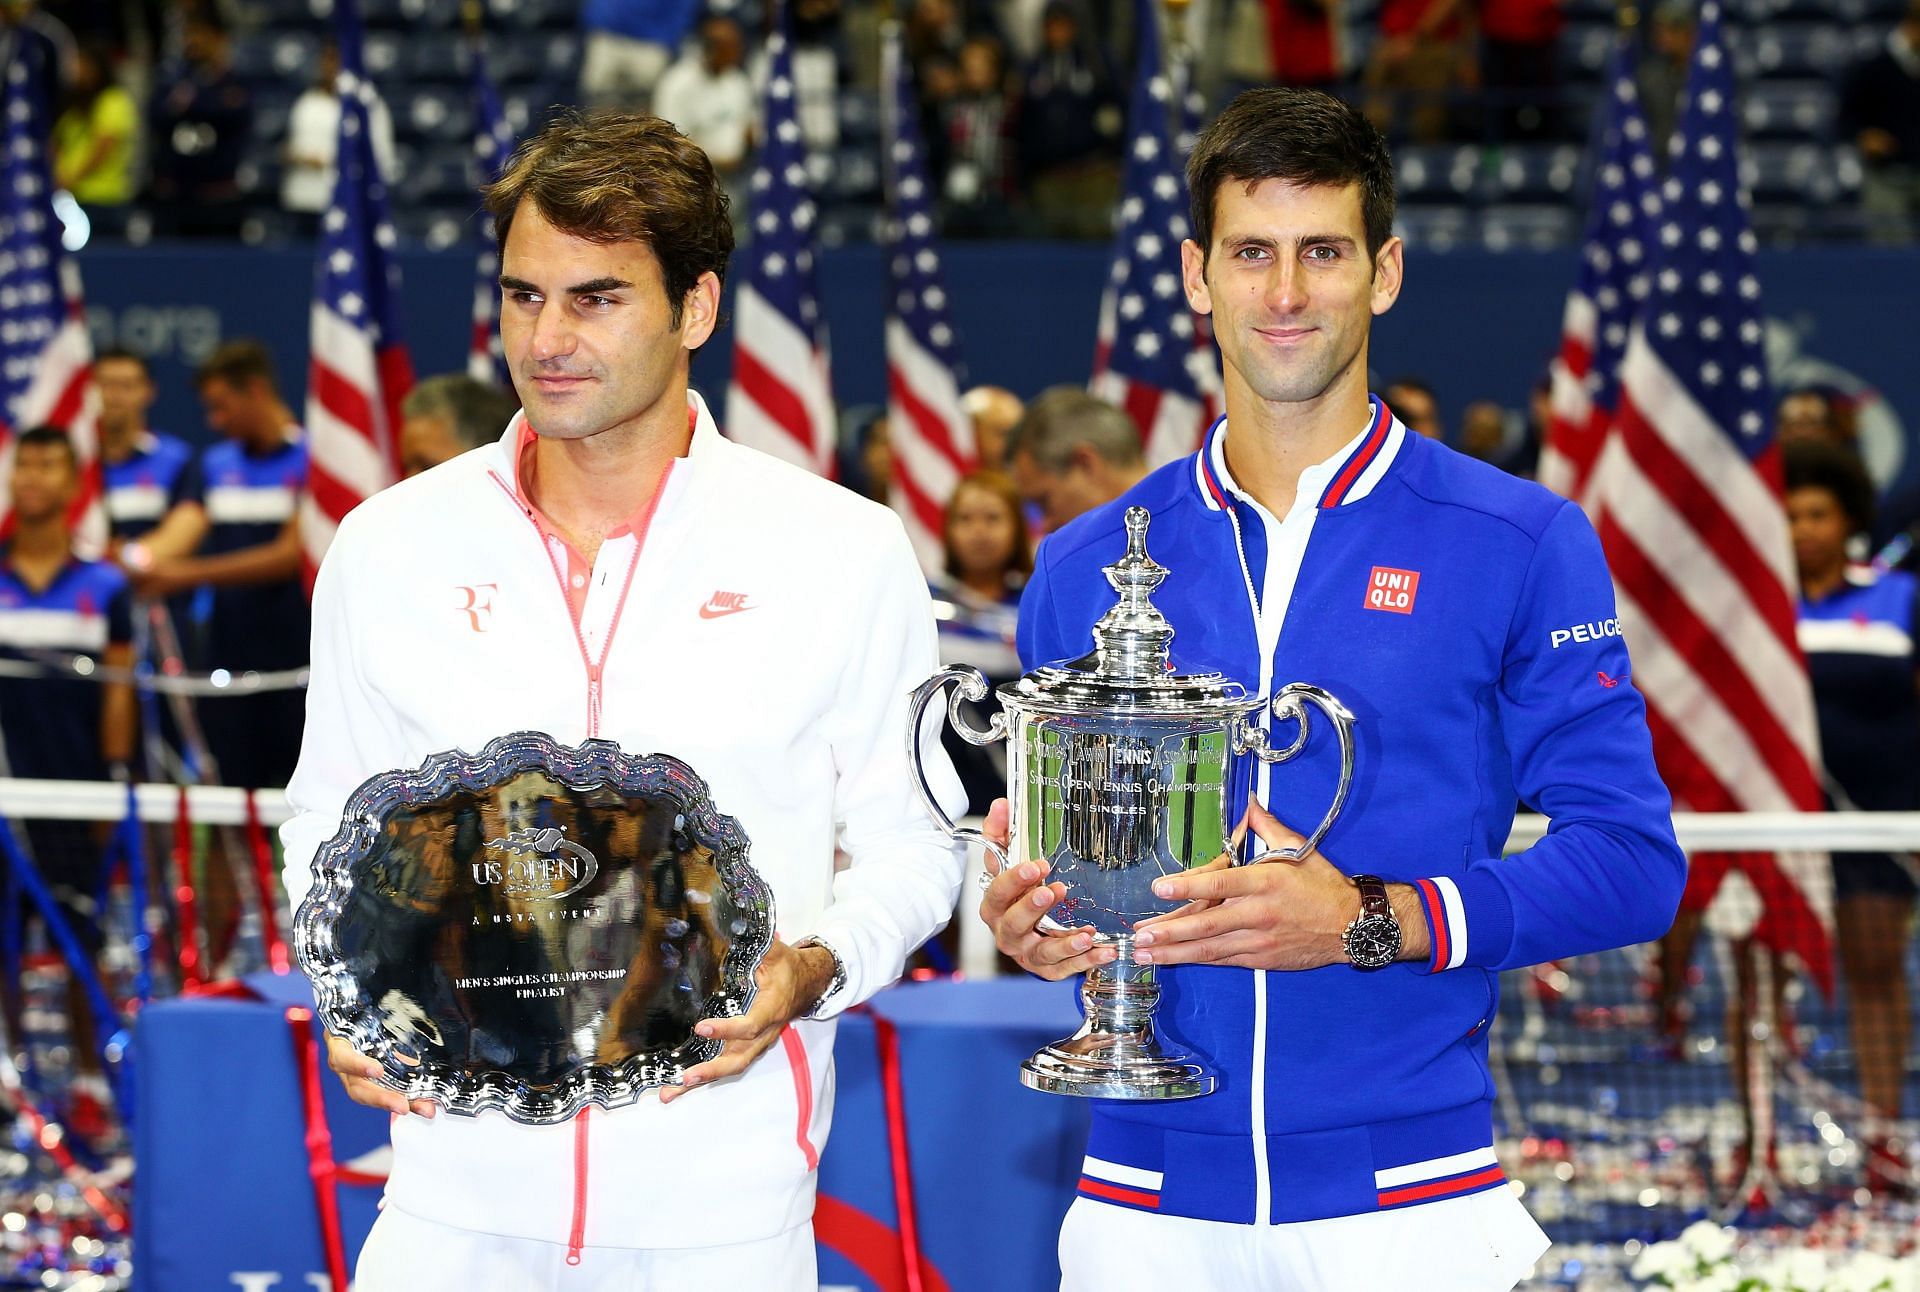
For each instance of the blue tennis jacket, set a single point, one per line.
(1467, 619)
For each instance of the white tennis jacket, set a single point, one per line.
(762, 624)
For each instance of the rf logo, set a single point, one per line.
(476, 603)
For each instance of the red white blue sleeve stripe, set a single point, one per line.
(1446, 923)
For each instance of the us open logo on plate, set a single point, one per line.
(1392, 590)
(541, 865)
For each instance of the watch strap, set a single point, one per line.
(1373, 896)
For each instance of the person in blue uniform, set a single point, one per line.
(141, 471)
(55, 610)
(141, 468)
(1467, 620)
(1857, 631)
(232, 530)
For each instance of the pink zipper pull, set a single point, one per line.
(577, 1233)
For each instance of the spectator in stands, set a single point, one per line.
(1067, 131)
(818, 57)
(993, 411)
(1809, 414)
(1505, 439)
(629, 45)
(56, 607)
(932, 31)
(443, 417)
(1483, 431)
(988, 559)
(313, 142)
(988, 556)
(1880, 113)
(52, 39)
(1412, 401)
(1071, 453)
(94, 139)
(200, 122)
(142, 468)
(1524, 458)
(1663, 70)
(234, 531)
(1286, 42)
(1244, 50)
(936, 82)
(876, 458)
(975, 121)
(1421, 59)
(708, 95)
(1520, 65)
(1857, 630)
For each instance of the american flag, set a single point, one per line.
(492, 145)
(932, 437)
(1613, 284)
(1152, 357)
(46, 359)
(358, 369)
(781, 399)
(1695, 529)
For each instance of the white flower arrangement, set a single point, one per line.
(1704, 1259)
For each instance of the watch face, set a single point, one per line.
(1373, 941)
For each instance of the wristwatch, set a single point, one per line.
(838, 981)
(1373, 940)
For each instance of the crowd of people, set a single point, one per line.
(1022, 103)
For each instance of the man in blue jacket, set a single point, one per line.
(1467, 620)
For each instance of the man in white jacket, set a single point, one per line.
(612, 567)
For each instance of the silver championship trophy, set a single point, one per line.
(533, 928)
(1119, 771)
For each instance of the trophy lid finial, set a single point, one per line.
(1132, 640)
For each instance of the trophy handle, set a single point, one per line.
(970, 684)
(1291, 703)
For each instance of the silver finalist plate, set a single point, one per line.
(533, 928)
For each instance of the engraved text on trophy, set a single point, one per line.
(1112, 812)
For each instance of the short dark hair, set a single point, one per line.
(237, 362)
(49, 437)
(1061, 419)
(120, 353)
(1300, 136)
(623, 177)
(1821, 464)
(477, 411)
(1419, 385)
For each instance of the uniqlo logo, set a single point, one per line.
(1392, 590)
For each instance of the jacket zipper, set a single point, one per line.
(596, 670)
(577, 1231)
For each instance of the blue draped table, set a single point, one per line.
(224, 1199)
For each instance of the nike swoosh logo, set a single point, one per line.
(721, 612)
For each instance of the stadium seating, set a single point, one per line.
(1792, 56)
